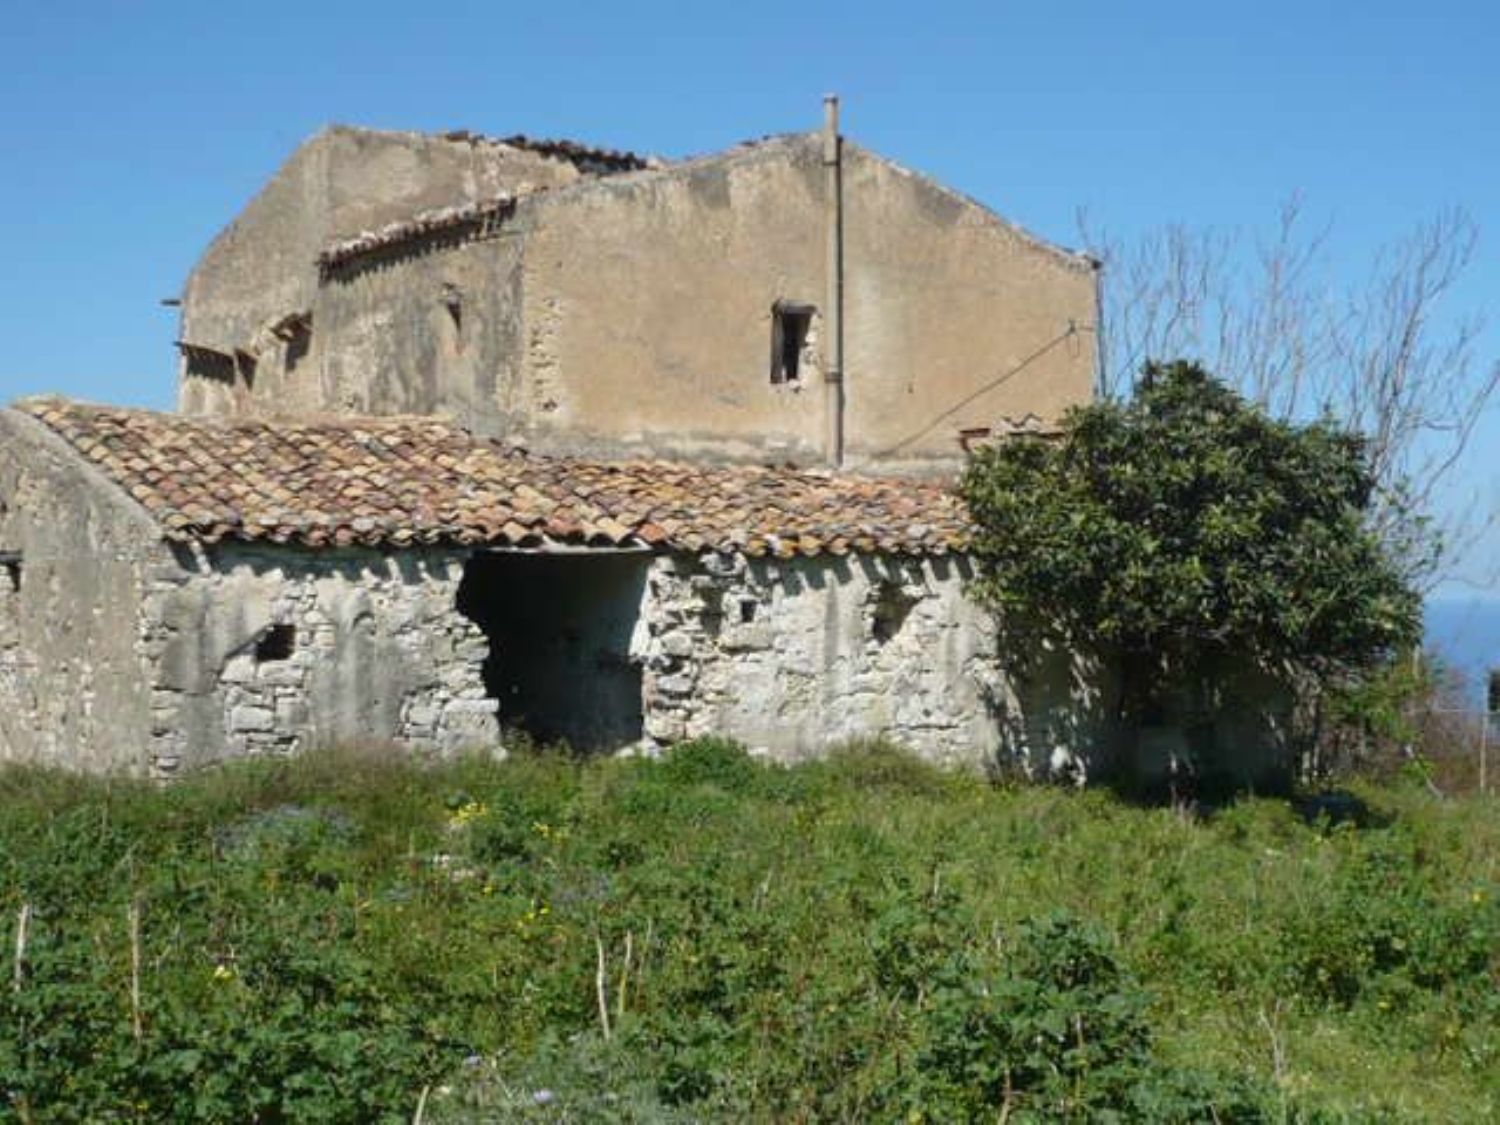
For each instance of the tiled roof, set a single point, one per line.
(408, 481)
(481, 216)
(478, 217)
(589, 158)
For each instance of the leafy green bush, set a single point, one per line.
(1185, 537)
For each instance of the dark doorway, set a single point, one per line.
(559, 627)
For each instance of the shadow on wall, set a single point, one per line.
(559, 627)
(1226, 730)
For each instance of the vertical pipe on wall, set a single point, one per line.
(1102, 389)
(833, 315)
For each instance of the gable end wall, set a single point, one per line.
(73, 663)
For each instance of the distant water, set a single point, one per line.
(1465, 633)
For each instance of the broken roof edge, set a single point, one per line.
(437, 221)
(766, 148)
(558, 148)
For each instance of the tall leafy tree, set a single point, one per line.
(1187, 525)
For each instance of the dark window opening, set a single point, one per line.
(12, 567)
(790, 325)
(294, 331)
(559, 629)
(747, 611)
(298, 344)
(207, 363)
(244, 364)
(276, 643)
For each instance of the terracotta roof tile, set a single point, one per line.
(373, 481)
(479, 217)
(591, 159)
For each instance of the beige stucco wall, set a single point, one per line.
(342, 181)
(633, 313)
(648, 307)
(387, 343)
(954, 318)
(73, 673)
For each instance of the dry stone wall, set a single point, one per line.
(794, 656)
(268, 651)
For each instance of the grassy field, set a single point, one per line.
(348, 938)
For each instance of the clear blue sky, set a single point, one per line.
(134, 131)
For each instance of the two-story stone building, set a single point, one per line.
(491, 434)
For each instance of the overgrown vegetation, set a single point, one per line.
(707, 938)
(1186, 535)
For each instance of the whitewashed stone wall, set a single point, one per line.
(794, 656)
(267, 651)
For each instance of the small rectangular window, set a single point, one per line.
(10, 572)
(790, 324)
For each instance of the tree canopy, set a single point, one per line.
(1185, 524)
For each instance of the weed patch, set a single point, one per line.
(707, 937)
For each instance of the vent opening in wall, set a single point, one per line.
(453, 302)
(890, 608)
(10, 572)
(244, 365)
(276, 643)
(790, 324)
(295, 332)
(207, 363)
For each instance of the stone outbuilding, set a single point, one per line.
(178, 591)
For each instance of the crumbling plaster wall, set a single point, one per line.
(343, 180)
(435, 331)
(73, 674)
(628, 314)
(377, 654)
(794, 656)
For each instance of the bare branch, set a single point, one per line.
(1380, 357)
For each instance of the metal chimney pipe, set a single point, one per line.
(833, 311)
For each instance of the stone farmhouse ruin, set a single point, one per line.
(479, 435)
